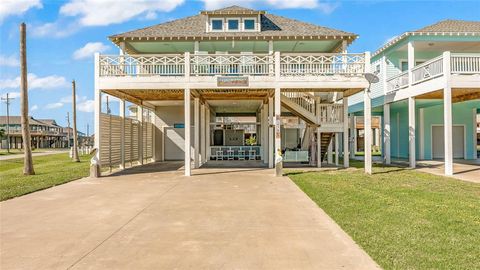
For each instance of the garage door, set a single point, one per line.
(438, 141)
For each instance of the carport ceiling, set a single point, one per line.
(235, 106)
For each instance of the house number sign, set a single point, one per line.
(232, 81)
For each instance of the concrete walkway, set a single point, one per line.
(466, 170)
(34, 154)
(145, 219)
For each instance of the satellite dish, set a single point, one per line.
(371, 78)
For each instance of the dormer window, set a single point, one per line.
(249, 24)
(233, 24)
(217, 24)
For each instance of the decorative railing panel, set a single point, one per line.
(142, 65)
(321, 64)
(330, 113)
(397, 82)
(303, 99)
(465, 63)
(428, 70)
(231, 64)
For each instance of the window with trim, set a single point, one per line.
(217, 24)
(233, 24)
(249, 24)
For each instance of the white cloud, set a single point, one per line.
(35, 82)
(95, 13)
(57, 29)
(86, 106)
(55, 105)
(33, 108)
(89, 49)
(325, 7)
(17, 7)
(68, 99)
(9, 61)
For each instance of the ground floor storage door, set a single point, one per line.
(438, 141)
(174, 143)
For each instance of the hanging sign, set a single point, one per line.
(232, 81)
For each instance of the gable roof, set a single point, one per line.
(445, 27)
(194, 28)
(17, 120)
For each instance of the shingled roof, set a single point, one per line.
(272, 26)
(445, 27)
(457, 26)
(16, 120)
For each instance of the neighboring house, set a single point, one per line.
(248, 73)
(45, 133)
(429, 93)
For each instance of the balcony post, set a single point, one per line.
(278, 135)
(319, 148)
(411, 131)
(277, 66)
(411, 61)
(447, 115)
(386, 133)
(207, 134)
(367, 138)
(196, 129)
(270, 132)
(336, 148)
(346, 156)
(330, 152)
(270, 58)
(187, 66)
(96, 164)
(202, 132)
(187, 127)
(353, 135)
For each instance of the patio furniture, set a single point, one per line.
(252, 155)
(241, 154)
(230, 154)
(219, 155)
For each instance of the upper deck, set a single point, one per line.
(202, 71)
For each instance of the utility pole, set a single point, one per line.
(68, 129)
(27, 147)
(7, 101)
(74, 111)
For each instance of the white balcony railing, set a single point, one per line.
(465, 63)
(460, 63)
(397, 82)
(321, 64)
(330, 113)
(231, 64)
(428, 70)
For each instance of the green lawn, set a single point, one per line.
(402, 218)
(50, 171)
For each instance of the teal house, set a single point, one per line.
(428, 94)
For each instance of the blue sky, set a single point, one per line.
(62, 35)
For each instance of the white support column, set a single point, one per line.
(319, 148)
(447, 115)
(196, 46)
(202, 132)
(367, 123)
(411, 131)
(346, 141)
(353, 135)
(264, 133)
(207, 134)
(122, 133)
(278, 135)
(411, 61)
(330, 152)
(98, 111)
(196, 128)
(421, 134)
(386, 134)
(336, 149)
(270, 133)
(187, 126)
(140, 134)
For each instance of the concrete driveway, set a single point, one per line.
(146, 219)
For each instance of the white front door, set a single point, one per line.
(438, 142)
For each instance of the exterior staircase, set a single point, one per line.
(301, 104)
(326, 138)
